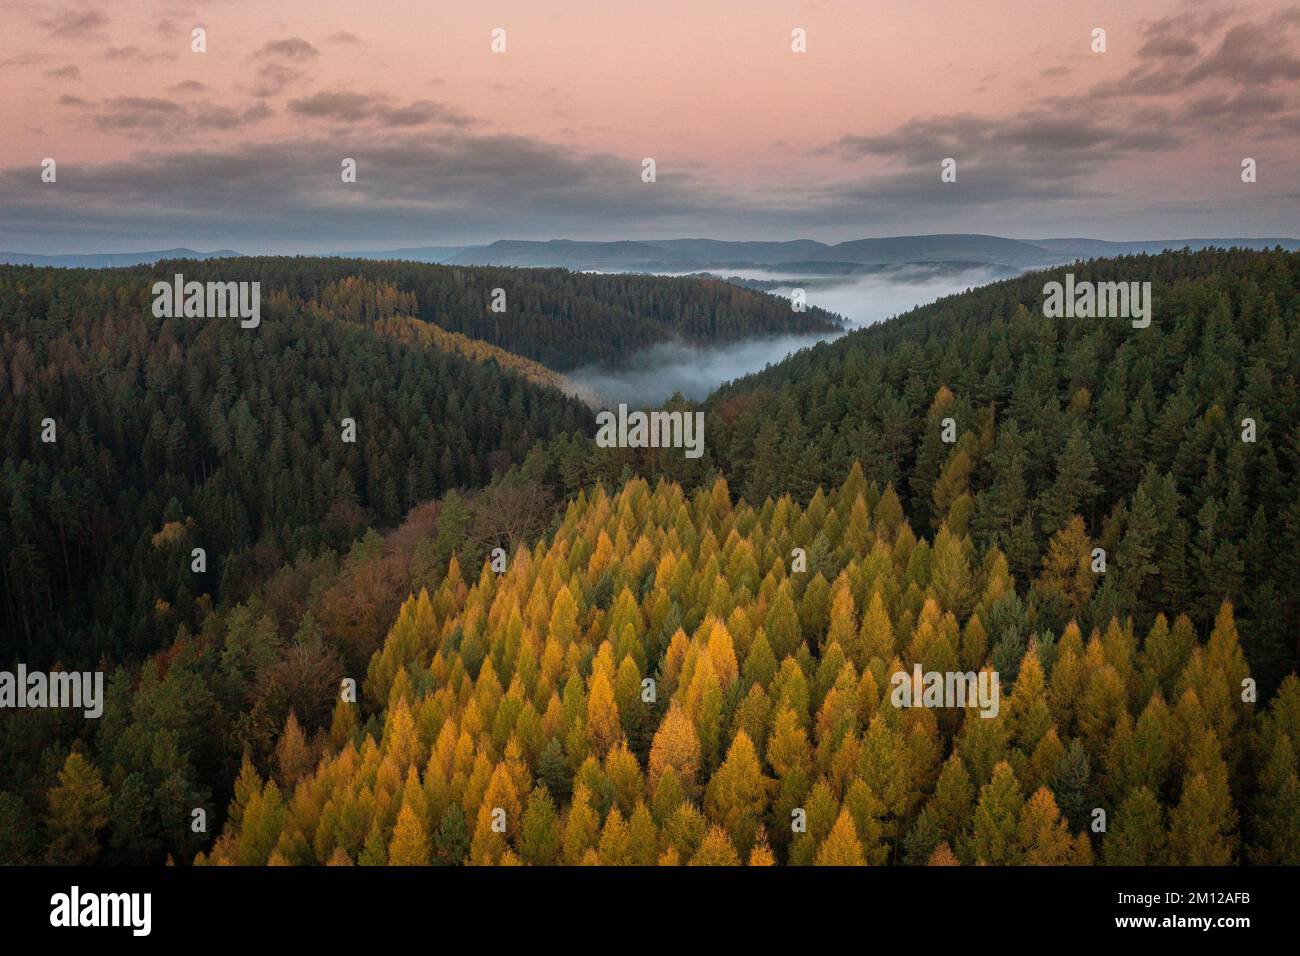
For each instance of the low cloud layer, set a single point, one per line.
(654, 374)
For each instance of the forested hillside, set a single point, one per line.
(172, 434)
(122, 789)
(1138, 432)
(562, 319)
(519, 725)
(680, 654)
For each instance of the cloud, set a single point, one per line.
(349, 107)
(68, 72)
(344, 37)
(273, 78)
(133, 115)
(135, 54)
(1164, 45)
(1253, 54)
(291, 48)
(138, 112)
(74, 23)
(410, 183)
(29, 58)
(1243, 54)
(1243, 86)
(1030, 148)
(652, 375)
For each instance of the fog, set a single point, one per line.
(654, 374)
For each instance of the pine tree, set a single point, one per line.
(451, 842)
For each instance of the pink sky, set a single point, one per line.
(458, 144)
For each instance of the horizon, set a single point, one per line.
(383, 247)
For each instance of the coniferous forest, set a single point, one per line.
(611, 471)
(473, 636)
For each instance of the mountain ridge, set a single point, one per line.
(699, 254)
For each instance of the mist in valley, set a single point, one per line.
(655, 374)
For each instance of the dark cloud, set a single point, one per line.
(1046, 145)
(1242, 54)
(274, 78)
(29, 58)
(68, 72)
(1178, 96)
(1164, 45)
(211, 116)
(344, 37)
(1253, 54)
(409, 184)
(420, 186)
(134, 115)
(291, 48)
(349, 107)
(138, 113)
(1261, 104)
(188, 86)
(135, 54)
(74, 23)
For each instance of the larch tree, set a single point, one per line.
(79, 806)
(841, 846)
(737, 795)
(410, 845)
(715, 850)
(675, 746)
(997, 818)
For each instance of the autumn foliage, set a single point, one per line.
(653, 684)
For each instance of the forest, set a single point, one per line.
(682, 661)
(1138, 433)
(172, 434)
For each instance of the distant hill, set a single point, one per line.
(110, 260)
(793, 257)
(597, 256)
(971, 248)
(435, 254)
(1098, 248)
(808, 257)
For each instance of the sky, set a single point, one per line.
(241, 146)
